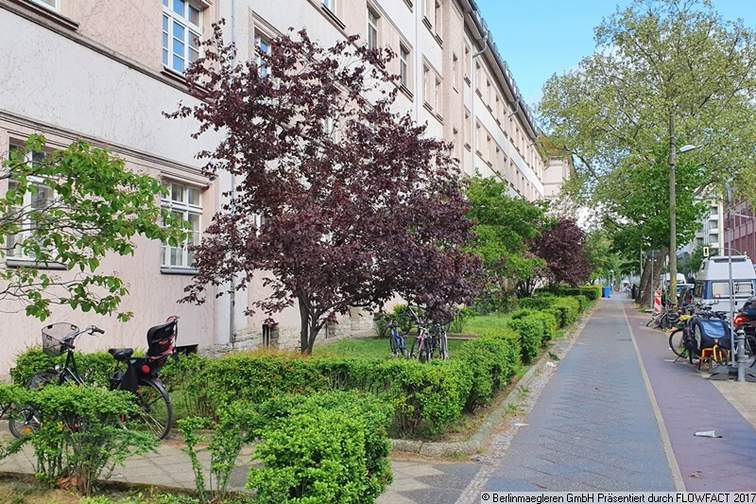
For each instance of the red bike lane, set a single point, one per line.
(689, 403)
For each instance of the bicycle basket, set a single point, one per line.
(52, 337)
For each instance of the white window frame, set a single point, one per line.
(437, 92)
(260, 37)
(330, 5)
(404, 65)
(10, 256)
(373, 27)
(171, 18)
(186, 208)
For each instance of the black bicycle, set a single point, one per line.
(397, 342)
(138, 375)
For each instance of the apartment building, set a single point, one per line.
(105, 70)
(740, 230)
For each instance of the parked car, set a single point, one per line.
(713, 287)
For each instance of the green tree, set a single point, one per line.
(67, 210)
(505, 226)
(665, 73)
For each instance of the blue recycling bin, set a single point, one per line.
(607, 292)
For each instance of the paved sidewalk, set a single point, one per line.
(690, 403)
(594, 427)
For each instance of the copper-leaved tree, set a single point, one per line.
(356, 204)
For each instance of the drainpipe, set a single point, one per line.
(232, 289)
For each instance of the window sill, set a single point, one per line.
(439, 39)
(404, 89)
(47, 14)
(467, 146)
(428, 24)
(31, 263)
(330, 15)
(169, 270)
(409, 4)
(467, 80)
(173, 74)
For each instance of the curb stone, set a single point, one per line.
(479, 439)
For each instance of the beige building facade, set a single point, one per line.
(105, 71)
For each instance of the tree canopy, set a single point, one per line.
(63, 213)
(356, 203)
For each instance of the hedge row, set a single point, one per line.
(426, 398)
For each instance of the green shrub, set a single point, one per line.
(324, 448)
(80, 437)
(582, 302)
(549, 322)
(493, 361)
(96, 368)
(592, 292)
(522, 312)
(569, 309)
(540, 302)
(530, 329)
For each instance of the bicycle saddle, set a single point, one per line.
(121, 354)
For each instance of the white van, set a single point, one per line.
(713, 284)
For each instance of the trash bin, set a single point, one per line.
(607, 292)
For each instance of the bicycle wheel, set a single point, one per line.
(392, 345)
(677, 343)
(443, 345)
(24, 420)
(426, 350)
(155, 414)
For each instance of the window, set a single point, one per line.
(372, 29)
(38, 199)
(330, 5)
(181, 29)
(478, 139)
(183, 202)
(404, 57)
(457, 144)
(743, 288)
(426, 85)
(466, 128)
(455, 71)
(437, 96)
(437, 17)
(467, 62)
(263, 44)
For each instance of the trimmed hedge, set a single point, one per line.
(323, 448)
(426, 398)
(530, 330)
(583, 302)
(494, 359)
(540, 302)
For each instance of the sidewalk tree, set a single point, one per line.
(67, 210)
(562, 246)
(504, 228)
(665, 73)
(338, 201)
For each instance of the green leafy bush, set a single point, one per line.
(540, 302)
(96, 368)
(493, 360)
(569, 309)
(522, 312)
(530, 329)
(582, 302)
(549, 322)
(458, 322)
(329, 447)
(592, 292)
(79, 438)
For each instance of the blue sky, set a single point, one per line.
(540, 37)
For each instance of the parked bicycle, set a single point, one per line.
(701, 335)
(666, 319)
(431, 341)
(140, 377)
(397, 342)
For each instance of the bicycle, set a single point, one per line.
(439, 341)
(140, 376)
(664, 320)
(422, 347)
(397, 342)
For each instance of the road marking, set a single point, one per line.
(677, 478)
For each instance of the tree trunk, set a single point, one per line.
(672, 295)
(651, 271)
(304, 326)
